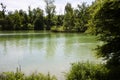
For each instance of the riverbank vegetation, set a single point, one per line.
(78, 71)
(87, 71)
(101, 18)
(21, 76)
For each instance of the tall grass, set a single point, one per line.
(20, 76)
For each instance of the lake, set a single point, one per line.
(45, 52)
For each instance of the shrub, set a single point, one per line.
(87, 71)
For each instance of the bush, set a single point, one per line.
(87, 71)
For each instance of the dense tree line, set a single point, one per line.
(36, 19)
(20, 20)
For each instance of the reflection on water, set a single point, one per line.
(44, 52)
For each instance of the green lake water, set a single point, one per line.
(44, 52)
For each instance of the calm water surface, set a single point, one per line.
(44, 51)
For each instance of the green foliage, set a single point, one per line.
(57, 28)
(59, 21)
(76, 19)
(2, 12)
(92, 10)
(39, 21)
(81, 17)
(69, 17)
(106, 20)
(20, 20)
(30, 26)
(87, 71)
(72, 19)
(50, 11)
(21, 76)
